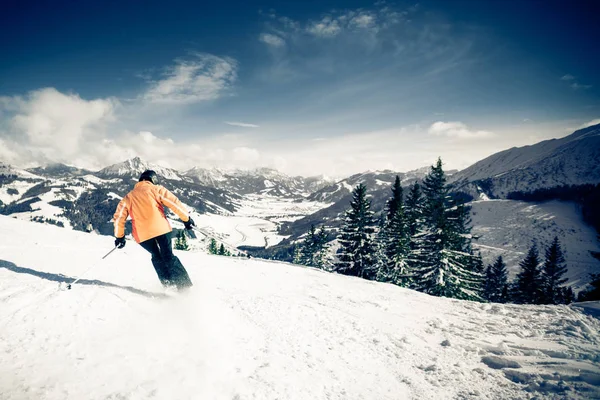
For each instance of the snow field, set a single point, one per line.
(507, 228)
(252, 329)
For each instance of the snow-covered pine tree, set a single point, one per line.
(221, 251)
(322, 257)
(553, 272)
(357, 250)
(414, 209)
(314, 251)
(496, 282)
(527, 287)
(394, 241)
(442, 258)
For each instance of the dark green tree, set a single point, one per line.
(314, 250)
(553, 272)
(414, 209)
(394, 241)
(222, 251)
(442, 257)
(212, 246)
(357, 250)
(181, 241)
(496, 282)
(528, 287)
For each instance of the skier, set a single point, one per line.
(151, 229)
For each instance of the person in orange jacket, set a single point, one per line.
(151, 229)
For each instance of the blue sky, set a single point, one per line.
(308, 87)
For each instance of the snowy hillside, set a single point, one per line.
(572, 160)
(506, 228)
(259, 330)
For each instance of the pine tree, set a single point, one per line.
(496, 282)
(414, 209)
(181, 241)
(314, 250)
(528, 284)
(552, 274)
(442, 257)
(222, 251)
(322, 257)
(357, 251)
(212, 246)
(394, 241)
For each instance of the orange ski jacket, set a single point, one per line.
(145, 204)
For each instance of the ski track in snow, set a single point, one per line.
(257, 330)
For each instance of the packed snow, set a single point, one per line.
(507, 227)
(253, 329)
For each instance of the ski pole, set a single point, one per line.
(89, 269)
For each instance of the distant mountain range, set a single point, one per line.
(84, 200)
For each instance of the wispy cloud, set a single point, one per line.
(574, 84)
(201, 77)
(271, 40)
(578, 86)
(590, 123)
(457, 129)
(242, 124)
(326, 27)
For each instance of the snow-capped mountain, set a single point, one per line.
(84, 200)
(374, 180)
(59, 170)
(134, 168)
(265, 181)
(572, 160)
(256, 329)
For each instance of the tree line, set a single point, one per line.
(423, 241)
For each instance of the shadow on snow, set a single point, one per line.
(67, 279)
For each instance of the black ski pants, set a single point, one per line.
(169, 269)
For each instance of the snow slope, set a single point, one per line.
(262, 330)
(507, 227)
(572, 160)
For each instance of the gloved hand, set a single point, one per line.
(120, 242)
(189, 223)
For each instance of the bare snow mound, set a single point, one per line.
(261, 330)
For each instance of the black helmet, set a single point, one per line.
(149, 175)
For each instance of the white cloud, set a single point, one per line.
(326, 27)
(577, 86)
(363, 20)
(50, 124)
(567, 77)
(203, 77)
(242, 124)
(590, 123)
(271, 40)
(457, 129)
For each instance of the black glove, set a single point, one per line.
(189, 223)
(120, 242)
